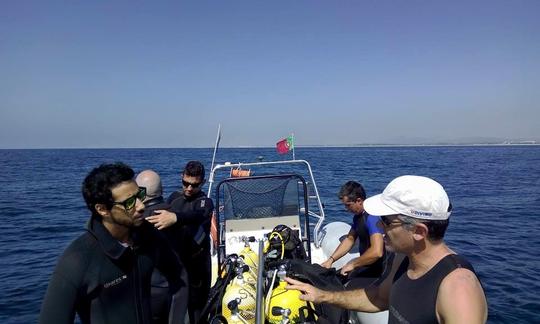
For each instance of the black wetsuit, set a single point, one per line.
(154, 204)
(363, 276)
(414, 301)
(191, 235)
(364, 242)
(161, 297)
(104, 282)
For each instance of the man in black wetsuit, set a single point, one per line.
(150, 180)
(189, 226)
(153, 202)
(428, 282)
(104, 275)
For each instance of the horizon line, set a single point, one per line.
(269, 147)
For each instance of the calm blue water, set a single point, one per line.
(495, 223)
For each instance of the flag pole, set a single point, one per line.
(218, 137)
(293, 145)
(213, 219)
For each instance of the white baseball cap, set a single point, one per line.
(414, 196)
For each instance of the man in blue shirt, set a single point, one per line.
(370, 239)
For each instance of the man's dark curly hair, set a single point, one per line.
(96, 187)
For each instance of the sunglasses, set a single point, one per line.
(193, 185)
(131, 201)
(387, 221)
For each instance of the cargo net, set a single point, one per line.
(262, 197)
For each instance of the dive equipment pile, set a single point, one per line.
(233, 298)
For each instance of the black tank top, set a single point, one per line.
(414, 301)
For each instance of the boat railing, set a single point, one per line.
(312, 195)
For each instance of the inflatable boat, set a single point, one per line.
(269, 223)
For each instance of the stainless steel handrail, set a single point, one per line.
(321, 216)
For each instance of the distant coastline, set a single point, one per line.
(527, 143)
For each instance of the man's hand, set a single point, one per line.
(327, 264)
(347, 268)
(309, 293)
(162, 219)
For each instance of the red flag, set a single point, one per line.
(285, 145)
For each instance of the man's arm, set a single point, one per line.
(461, 299)
(374, 298)
(370, 256)
(342, 249)
(162, 219)
(364, 300)
(59, 302)
(201, 213)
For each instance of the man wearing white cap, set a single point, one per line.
(430, 284)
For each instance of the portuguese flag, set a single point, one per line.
(285, 145)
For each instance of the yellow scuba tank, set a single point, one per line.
(251, 259)
(285, 306)
(239, 302)
(285, 299)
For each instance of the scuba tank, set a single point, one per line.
(285, 306)
(239, 301)
(240, 297)
(248, 257)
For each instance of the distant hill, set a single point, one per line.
(458, 141)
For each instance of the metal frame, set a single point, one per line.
(305, 211)
(320, 216)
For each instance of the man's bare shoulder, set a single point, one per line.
(461, 298)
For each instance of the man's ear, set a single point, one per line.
(420, 231)
(102, 210)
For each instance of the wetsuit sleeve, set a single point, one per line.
(178, 310)
(372, 226)
(59, 303)
(200, 213)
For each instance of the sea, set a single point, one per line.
(495, 191)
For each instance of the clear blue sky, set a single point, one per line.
(165, 74)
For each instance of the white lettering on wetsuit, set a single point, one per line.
(114, 282)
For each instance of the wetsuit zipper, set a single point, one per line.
(137, 287)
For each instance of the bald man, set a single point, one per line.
(156, 210)
(154, 204)
(188, 230)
